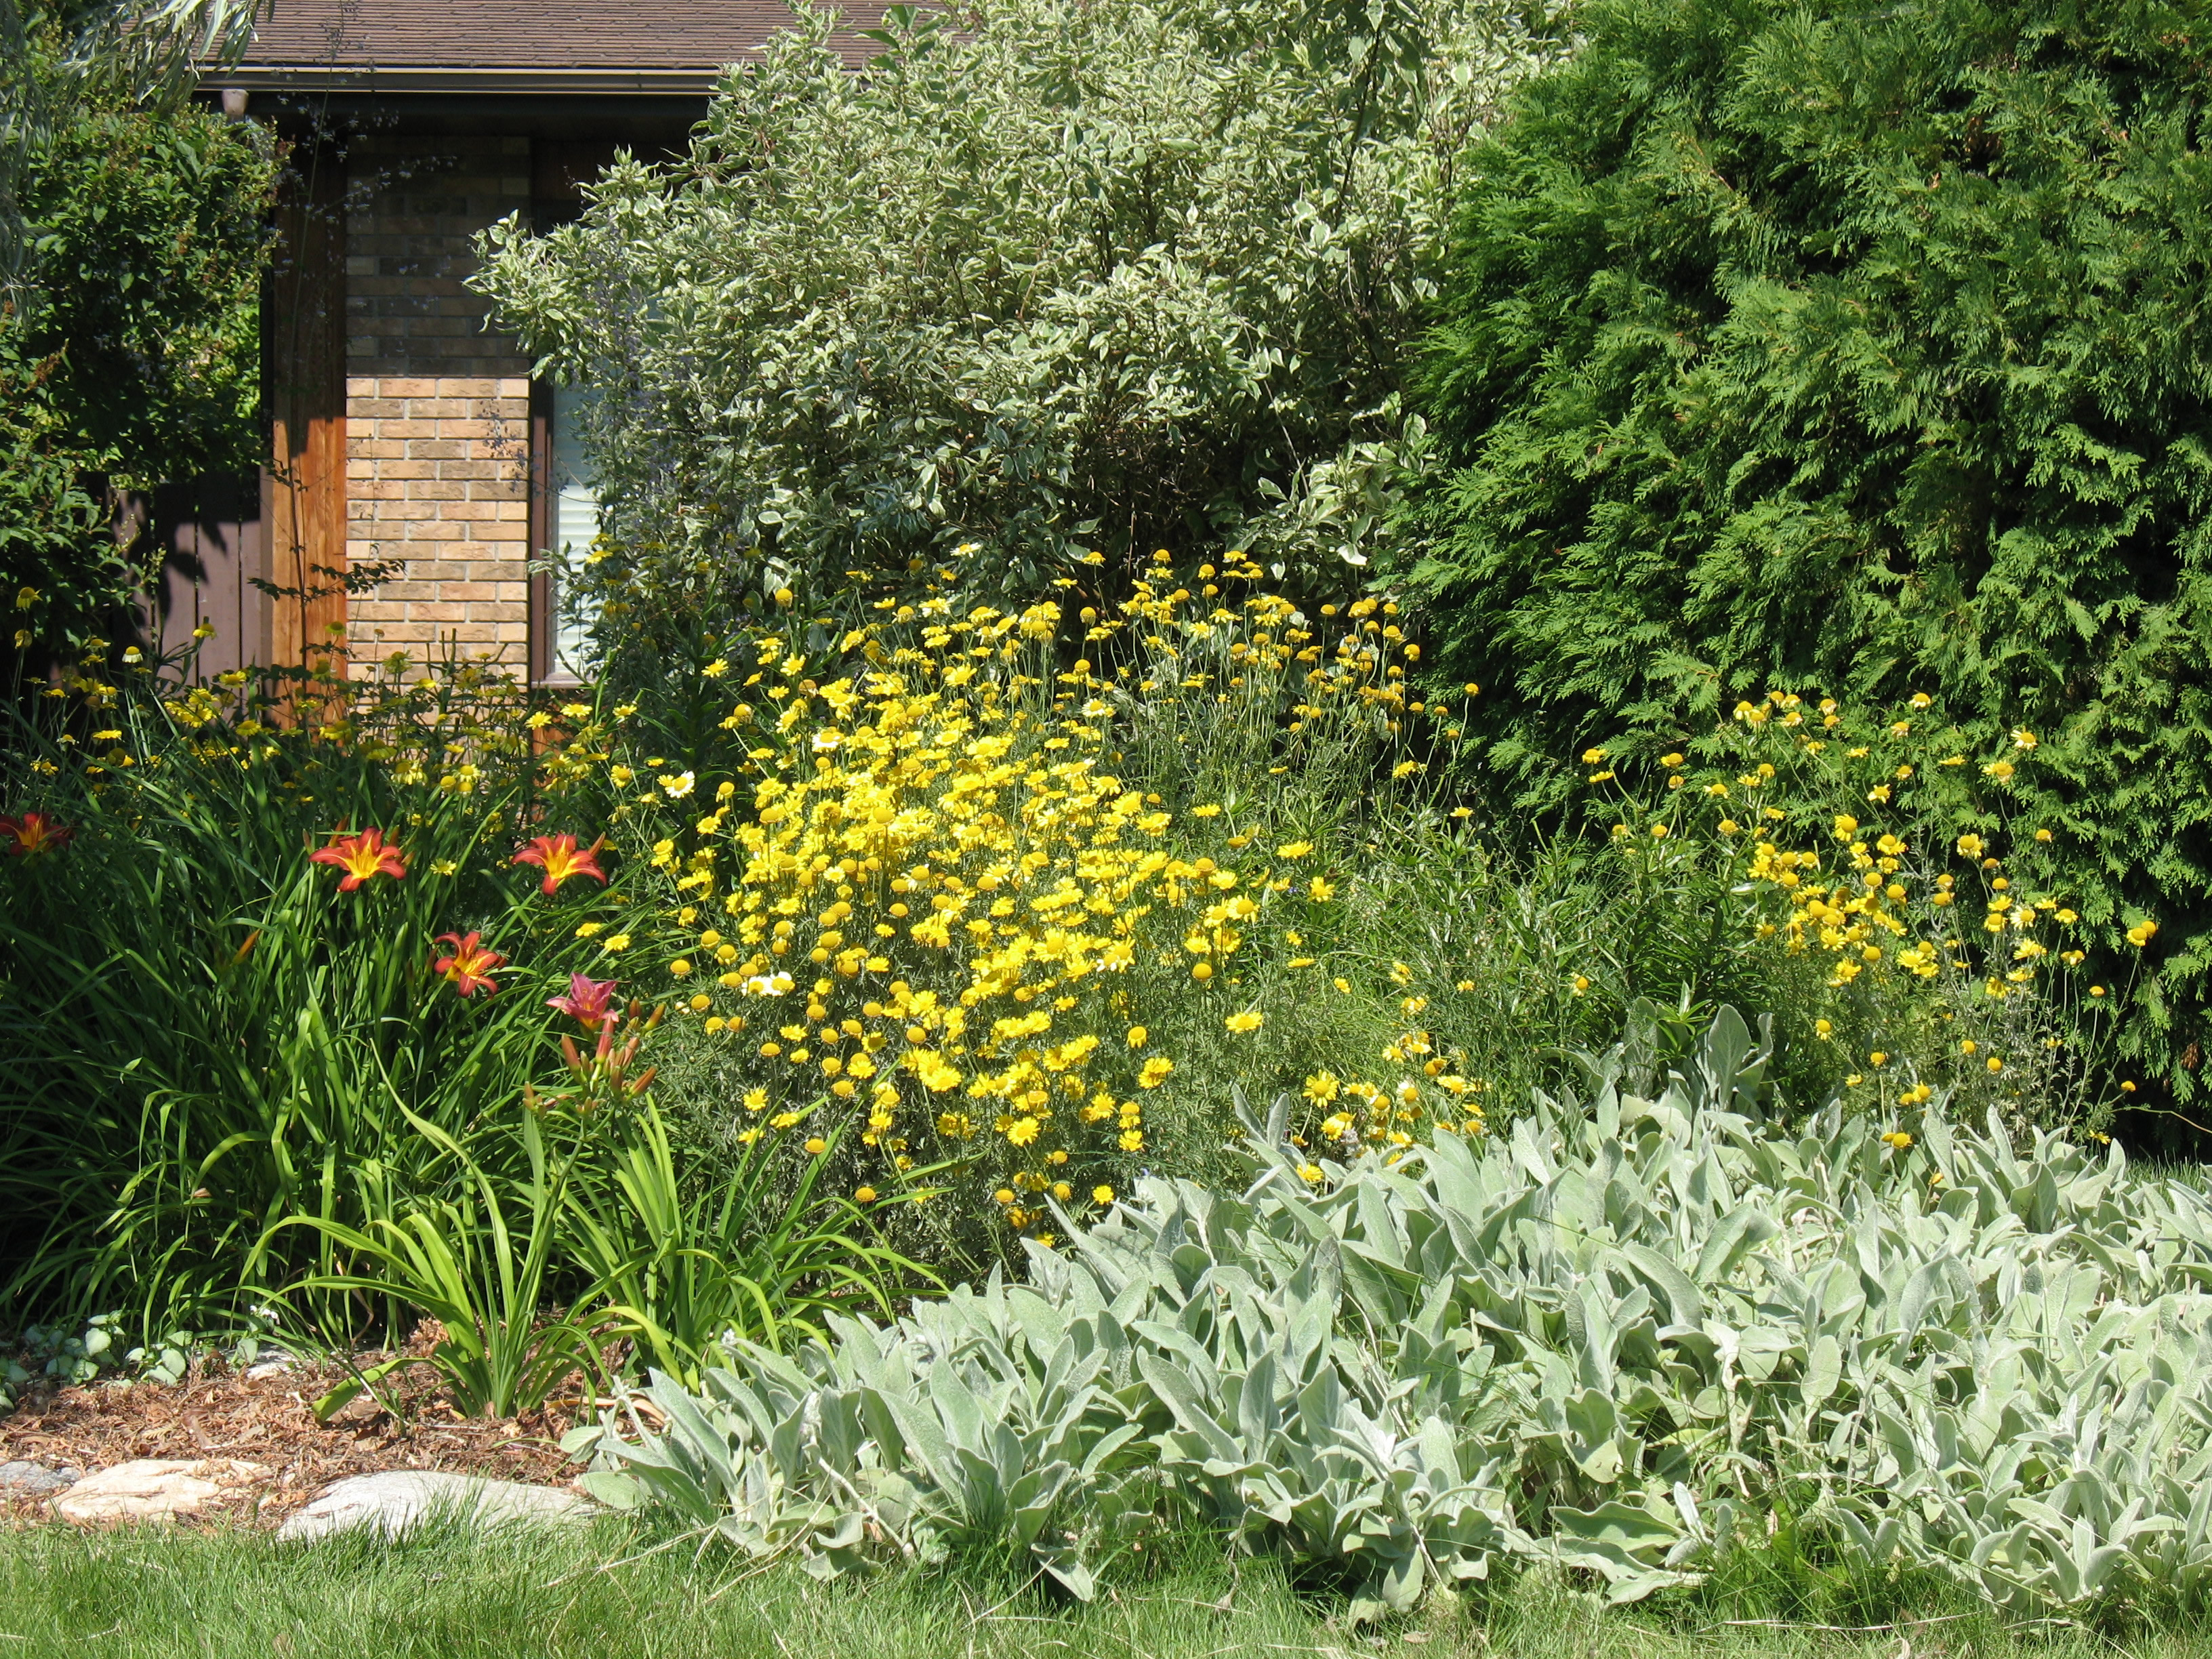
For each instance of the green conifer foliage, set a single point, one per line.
(1861, 346)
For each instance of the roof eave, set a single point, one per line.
(388, 78)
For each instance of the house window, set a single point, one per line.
(565, 522)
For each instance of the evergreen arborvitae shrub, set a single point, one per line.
(1864, 347)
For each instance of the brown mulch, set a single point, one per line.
(216, 1412)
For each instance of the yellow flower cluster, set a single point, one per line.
(1429, 1089)
(1886, 897)
(929, 892)
(1865, 911)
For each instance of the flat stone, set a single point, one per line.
(153, 1489)
(21, 1479)
(394, 1501)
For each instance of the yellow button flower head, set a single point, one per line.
(1247, 1021)
(1102, 1195)
(2142, 932)
(1137, 1036)
(865, 1194)
(1898, 1139)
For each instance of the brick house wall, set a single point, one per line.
(404, 433)
(437, 451)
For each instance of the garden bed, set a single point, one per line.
(264, 1415)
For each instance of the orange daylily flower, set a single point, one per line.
(559, 857)
(471, 964)
(33, 834)
(361, 856)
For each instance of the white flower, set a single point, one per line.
(678, 786)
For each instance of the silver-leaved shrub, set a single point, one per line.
(1607, 1341)
(1048, 276)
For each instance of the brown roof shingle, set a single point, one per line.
(591, 46)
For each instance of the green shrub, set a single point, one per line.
(1073, 275)
(129, 343)
(1852, 348)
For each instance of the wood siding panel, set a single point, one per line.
(303, 370)
(209, 534)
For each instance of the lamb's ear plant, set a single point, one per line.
(1609, 1340)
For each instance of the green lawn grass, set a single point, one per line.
(611, 1594)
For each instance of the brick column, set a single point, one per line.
(437, 410)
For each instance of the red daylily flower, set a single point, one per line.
(33, 834)
(558, 857)
(471, 964)
(360, 857)
(589, 1001)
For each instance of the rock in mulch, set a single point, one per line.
(216, 1412)
(25, 1479)
(155, 1489)
(395, 1500)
